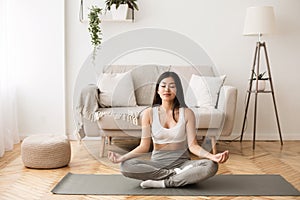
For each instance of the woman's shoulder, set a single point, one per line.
(187, 109)
(150, 109)
(148, 112)
(188, 112)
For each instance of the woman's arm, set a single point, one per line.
(144, 145)
(193, 145)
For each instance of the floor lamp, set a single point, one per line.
(259, 21)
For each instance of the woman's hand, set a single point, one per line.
(220, 157)
(114, 157)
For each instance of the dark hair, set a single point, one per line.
(179, 98)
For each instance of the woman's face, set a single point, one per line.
(167, 89)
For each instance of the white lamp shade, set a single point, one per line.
(259, 20)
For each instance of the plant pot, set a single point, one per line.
(120, 13)
(261, 85)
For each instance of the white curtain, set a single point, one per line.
(8, 113)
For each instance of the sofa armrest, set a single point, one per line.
(88, 104)
(227, 103)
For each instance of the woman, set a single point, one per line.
(171, 127)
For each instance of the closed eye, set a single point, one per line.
(172, 85)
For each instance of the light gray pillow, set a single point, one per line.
(116, 90)
(144, 81)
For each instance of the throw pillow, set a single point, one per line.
(144, 81)
(116, 90)
(203, 91)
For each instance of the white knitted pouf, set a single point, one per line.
(46, 151)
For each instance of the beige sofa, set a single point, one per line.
(103, 111)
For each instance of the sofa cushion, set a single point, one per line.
(144, 77)
(185, 73)
(144, 80)
(208, 117)
(116, 90)
(203, 91)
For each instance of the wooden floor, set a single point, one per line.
(18, 182)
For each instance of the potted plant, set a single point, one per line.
(261, 81)
(119, 8)
(94, 28)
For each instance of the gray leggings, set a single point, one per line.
(162, 164)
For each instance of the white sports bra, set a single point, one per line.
(161, 135)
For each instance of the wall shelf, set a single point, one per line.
(105, 17)
(119, 21)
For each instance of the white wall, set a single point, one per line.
(36, 40)
(217, 26)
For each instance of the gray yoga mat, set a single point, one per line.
(219, 185)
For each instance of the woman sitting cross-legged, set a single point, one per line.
(171, 127)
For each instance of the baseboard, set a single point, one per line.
(247, 136)
(22, 136)
(263, 136)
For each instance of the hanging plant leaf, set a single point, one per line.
(94, 27)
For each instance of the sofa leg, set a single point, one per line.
(102, 146)
(213, 144)
(109, 140)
